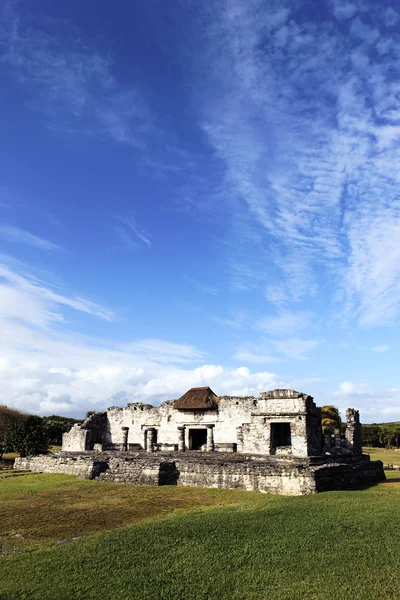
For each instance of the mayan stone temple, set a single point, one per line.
(270, 443)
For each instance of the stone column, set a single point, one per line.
(327, 441)
(151, 434)
(353, 431)
(240, 438)
(338, 441)
(210, 438)
(181, 439)
(124, 445)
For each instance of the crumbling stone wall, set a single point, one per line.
(77, 439)
(84, 466)
(278, 407)
(140, 418)
(83, 437)
(347, 475)
(141, 470)
(273, 475)
(96, 424)
(348, 443)
(353, 430)
(239, 423)
(246, 425)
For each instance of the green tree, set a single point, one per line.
(27, 439)
(371, 435)
(390, 434)
(56, 425)
(396, 437)
(8, 418)
(330, 417)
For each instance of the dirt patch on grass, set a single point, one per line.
(45, 509)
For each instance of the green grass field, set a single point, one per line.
(386, 456)
(180, 543)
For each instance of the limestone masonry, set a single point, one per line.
(270, 443)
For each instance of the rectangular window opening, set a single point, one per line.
(280, 436)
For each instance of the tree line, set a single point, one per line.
(28, 435)
(381, 435)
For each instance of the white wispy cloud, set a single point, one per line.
(343, 9)
(350, 388)
(295, 348)
(236, 319)
(312, 158)
(364, 31)
(164, 352)
(67, 374)
(47, 367)
(376, 404)
(24, 298)
(70, 83)
(285, 323)
(274, 350)
(130, 234)
(245, 355)
(204, 288)
(20, 236)
(381, 348)
(391, 16)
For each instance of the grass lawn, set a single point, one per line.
(386, 456)
(181, 543)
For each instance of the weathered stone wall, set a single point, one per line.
(268, 477)
(139, 418)
(255, 436)
(274, 475)
(347, 443)
(141, 470)
(83, 437)
(342, 476)
(163, 427)
(278, 406)
(84, 466)
(76, 439)
(275, 478)
(314, 433)
(247, 425)
(96, 424)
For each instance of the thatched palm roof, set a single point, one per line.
(200, 398)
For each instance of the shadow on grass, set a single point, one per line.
(6, 464)
(370, 484)
(392, 480)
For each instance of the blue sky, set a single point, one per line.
(199, 193)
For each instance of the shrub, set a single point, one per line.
(27, 439)
(9, 417)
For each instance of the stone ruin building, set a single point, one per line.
(270, 443)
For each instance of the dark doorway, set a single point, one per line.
(197, 438)
(280, 436)
(146, 437)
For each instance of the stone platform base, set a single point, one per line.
(294, 476)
